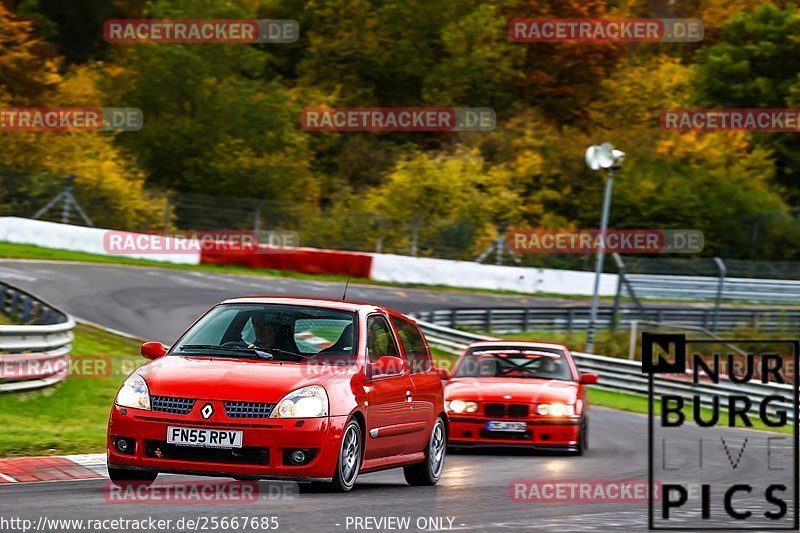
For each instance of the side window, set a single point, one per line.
(419, 360)
(380, 340)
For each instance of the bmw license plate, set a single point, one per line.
(496, 425)
(206, 438)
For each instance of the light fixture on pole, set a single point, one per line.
(599, 157)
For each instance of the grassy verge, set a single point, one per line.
(638, 404)
(70, 417)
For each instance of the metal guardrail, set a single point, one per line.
(518, 319)
(35, 351)
(707, 288)
(622, 375)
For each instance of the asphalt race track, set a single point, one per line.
(474, 492)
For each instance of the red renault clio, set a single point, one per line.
(301, 389)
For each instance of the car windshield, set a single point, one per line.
(292, 333)
(515, 363)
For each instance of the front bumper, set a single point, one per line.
(555, 434)
(263, 455)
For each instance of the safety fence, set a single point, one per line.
(707, 288)
(622, 375)
(576, 318)
(35, 345)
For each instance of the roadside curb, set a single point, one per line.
(15, 470)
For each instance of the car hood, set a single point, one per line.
(244, 380)
(520, 390)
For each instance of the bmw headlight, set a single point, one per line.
(460, 406)
(134, 393)
(308, 402)
(555, 409)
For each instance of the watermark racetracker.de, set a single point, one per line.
(626, 241)
(199, 492)
(193, 242)
(71, 119)
(399, 119)
(653, 30)
(274, 31)
(746, 119)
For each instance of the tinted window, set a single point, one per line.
(419, 360)
(380, 340)
(297, 333)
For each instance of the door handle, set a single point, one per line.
(408, 396)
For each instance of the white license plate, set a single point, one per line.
(206, 438)
(496, 425)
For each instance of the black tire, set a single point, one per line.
(429, 471)
(583, 439)
(122, 477)
(351, 453)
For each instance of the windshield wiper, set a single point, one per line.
(239, 349)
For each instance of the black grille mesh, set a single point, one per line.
(248, 409)
(518, 410)
(495, 409)
(175, 406)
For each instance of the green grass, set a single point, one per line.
(638, 404)
(70, 417)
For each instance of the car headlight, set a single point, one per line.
(308, 402)
(555, 409)
(460, 406)
(134, 393)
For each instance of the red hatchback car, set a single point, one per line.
(302, 389)
(518, 394)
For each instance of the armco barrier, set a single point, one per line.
(35, 353)
(621, 375)
(576, 318)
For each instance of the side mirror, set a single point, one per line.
(589, 379)
(387, 365)
(153, 350)
(443, 373)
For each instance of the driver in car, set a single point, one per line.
(549, 368)
(266, 332)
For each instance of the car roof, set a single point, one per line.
(342, 305)
(520, 344)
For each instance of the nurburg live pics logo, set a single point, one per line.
(747, 480)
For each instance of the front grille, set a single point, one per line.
(495, 409)
(175, 406)
(248, 409)
(518, 410)
(254, 455)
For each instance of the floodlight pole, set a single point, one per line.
(601, 253)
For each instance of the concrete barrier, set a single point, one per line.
(74, 238)
(464, 274)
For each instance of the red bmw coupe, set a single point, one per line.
(518, 394)
(302, 389)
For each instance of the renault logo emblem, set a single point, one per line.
(207, 411)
